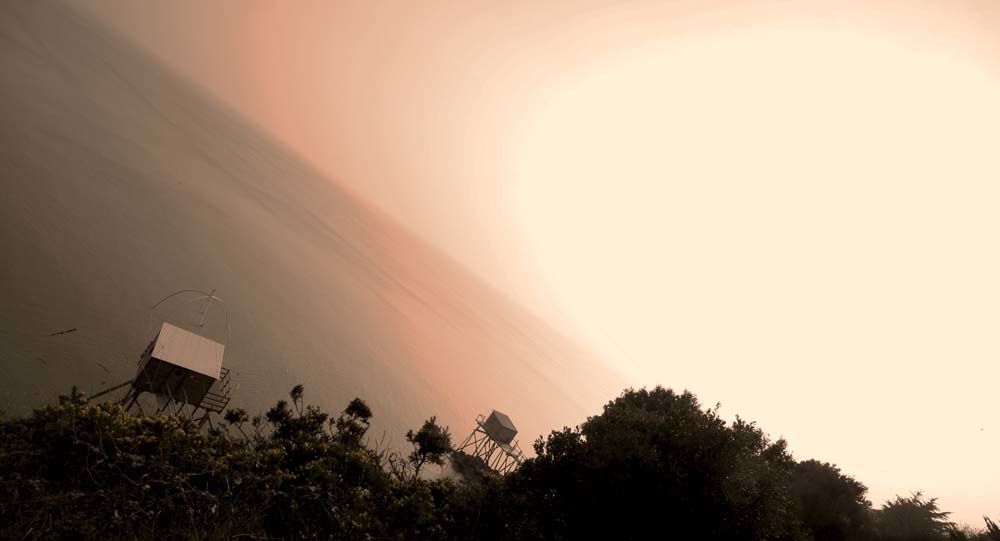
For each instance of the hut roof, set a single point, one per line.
(189, 350)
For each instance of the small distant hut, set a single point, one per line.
(499, 427)
(492, 441)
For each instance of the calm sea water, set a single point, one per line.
(121, 184)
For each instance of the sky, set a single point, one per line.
(785, 207)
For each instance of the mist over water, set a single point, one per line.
(122, 183)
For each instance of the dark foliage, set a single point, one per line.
(992, 529)
(431, 444)
(83, 471)
(353, 424)
(653, 465)
(831, 505)
(661, 465)
(915, 518)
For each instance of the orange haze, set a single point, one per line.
(786, 207)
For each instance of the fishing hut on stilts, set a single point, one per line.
(181, 369)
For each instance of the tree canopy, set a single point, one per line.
(659, 463)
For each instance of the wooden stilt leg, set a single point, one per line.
(138, 406)
(133, 401)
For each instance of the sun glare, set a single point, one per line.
(781, 205)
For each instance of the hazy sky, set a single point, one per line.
(788, 207)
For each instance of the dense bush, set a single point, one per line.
(653, 464)
(79, 471)
(662, 466)
(830, 505)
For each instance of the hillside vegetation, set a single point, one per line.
(654, 464)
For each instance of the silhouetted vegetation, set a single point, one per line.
(658, 462)
(653, 464)
(829, 504)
